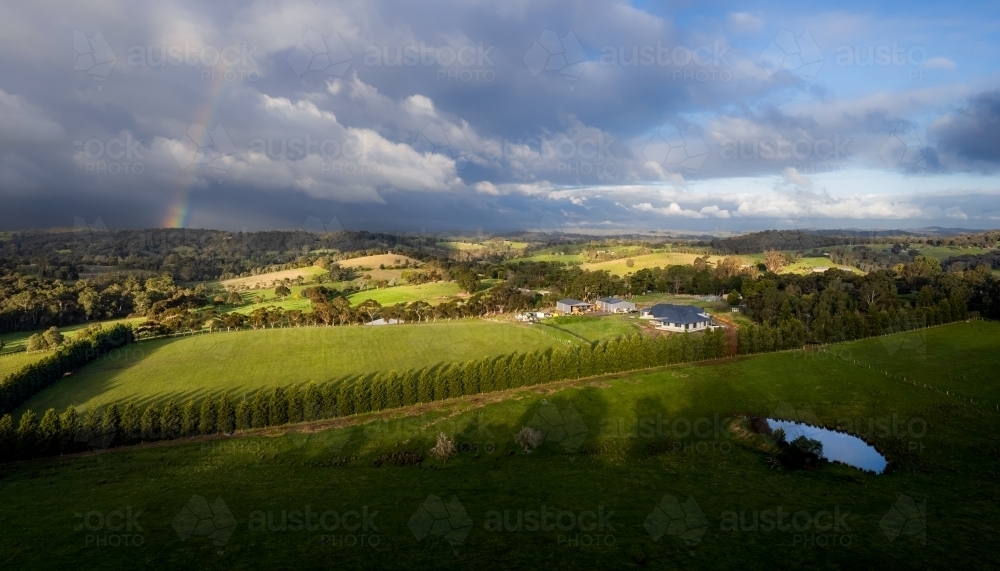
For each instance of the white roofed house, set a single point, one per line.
(678, 318)
(615, 305)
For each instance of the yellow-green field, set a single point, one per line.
(241, 361)
(266, 280)
(375, 261)
(16, 341)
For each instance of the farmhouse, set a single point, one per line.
(615, 305)
(669, 317)
(569, 305)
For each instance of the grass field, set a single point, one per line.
(564, 258)
(265, 280)
(432, 293)
(375, 261)
(472, 247)
(18, 340)
(643, 440)
(664, 259)
(11, 363)
(241, 361)
(584, 329)
(939, 252)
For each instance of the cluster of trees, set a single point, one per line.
(50, 339)
(91, 343)
(838, 306)
(71, 432)
(28, 302)
(968, 261)
(869, 260)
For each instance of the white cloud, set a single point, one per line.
(744, 22)
(792, 175)
(940, 63)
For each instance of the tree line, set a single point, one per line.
(18, 387)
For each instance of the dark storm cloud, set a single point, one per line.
(461, 115)
(972, 132)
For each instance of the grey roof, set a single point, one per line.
(682, 314)
(571, 301)
(611, 300)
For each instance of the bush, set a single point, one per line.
(529, 438)
(444, 448)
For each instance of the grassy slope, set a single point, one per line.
(246, 360)
(17, 340)
(664, 259)
(618, 472)
(376, 261)
(939, 252)
(14, 362)
(432, 293)
(267, 279)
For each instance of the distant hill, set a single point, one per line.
(781, 240)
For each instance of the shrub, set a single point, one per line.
(444, 448)
(529, 437)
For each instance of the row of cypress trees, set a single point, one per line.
(790, 333)
(117, 425)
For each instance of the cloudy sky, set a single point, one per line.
(466, 115)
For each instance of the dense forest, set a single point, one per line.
(189, 255)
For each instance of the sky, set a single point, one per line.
(495, 116)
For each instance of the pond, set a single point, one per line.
(837, 446)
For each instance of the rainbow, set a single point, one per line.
(180, 208)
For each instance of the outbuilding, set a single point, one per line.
(570, 305)
(615, 305)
